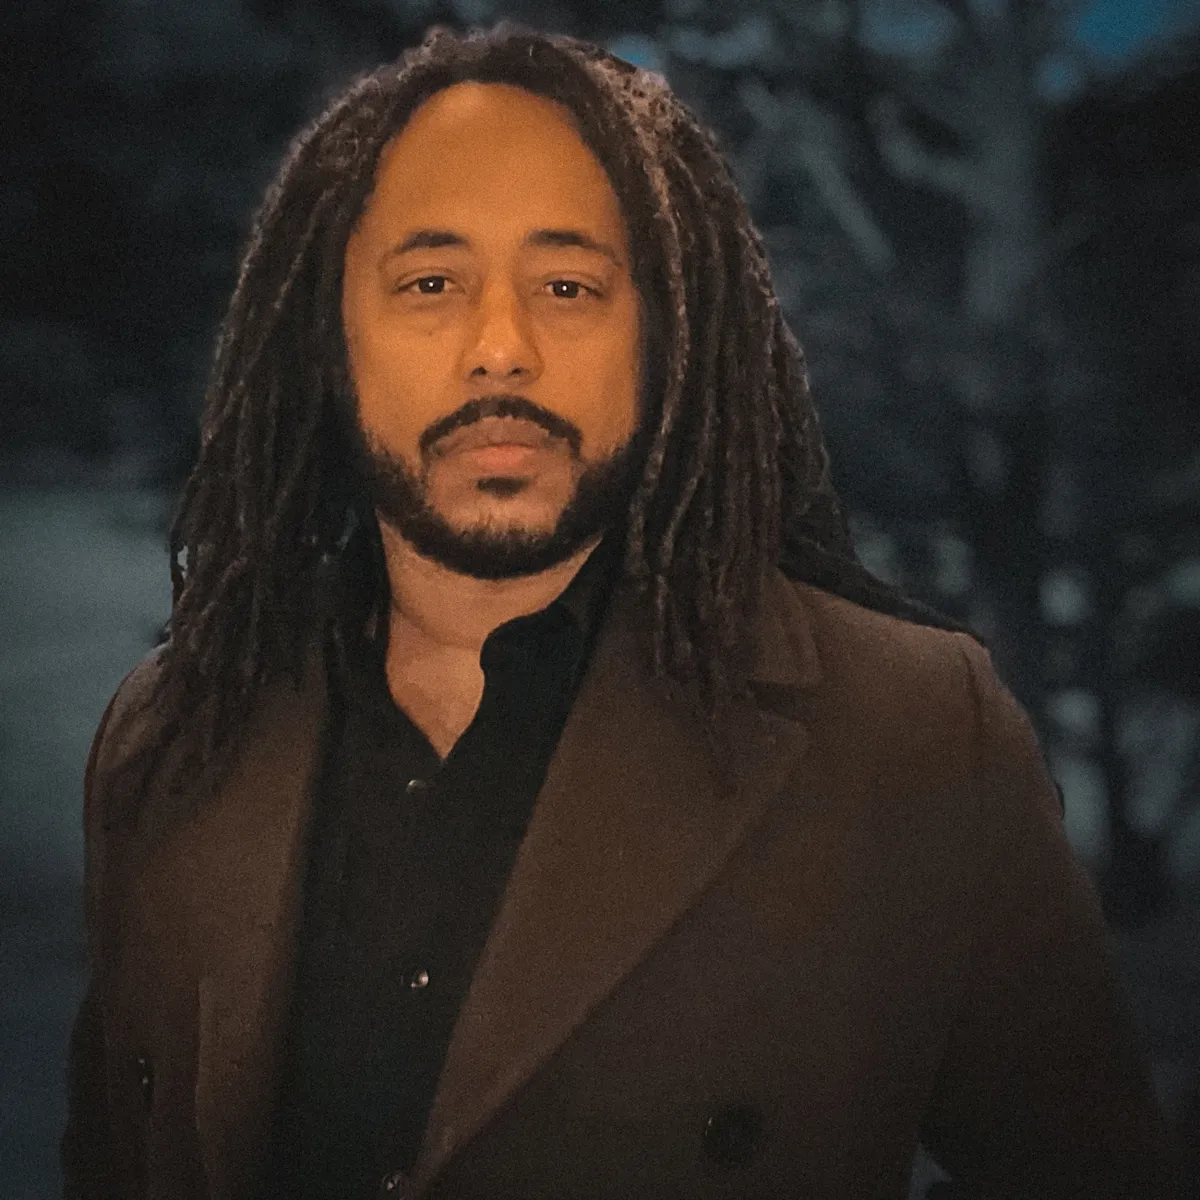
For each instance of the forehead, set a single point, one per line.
(490, 154)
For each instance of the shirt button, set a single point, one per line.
(415, 787)
(418, 979)
(730, 1135)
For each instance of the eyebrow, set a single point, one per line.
(433, 239)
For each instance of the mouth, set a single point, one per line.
(497, 440)
(503, 458)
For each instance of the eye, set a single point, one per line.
(419, 286)
(569, 284)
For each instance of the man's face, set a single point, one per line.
(492, 327)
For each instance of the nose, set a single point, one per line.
(502, 343)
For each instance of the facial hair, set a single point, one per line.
(400, 497)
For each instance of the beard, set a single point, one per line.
(400, 497)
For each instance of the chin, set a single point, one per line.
(499, 526)
(535, 516)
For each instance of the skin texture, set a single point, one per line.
(499, 337)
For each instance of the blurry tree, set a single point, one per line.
(925, 155)
(149, 131)
(49, 366)
(1128, 403)
(921, 215)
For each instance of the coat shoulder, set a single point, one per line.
(854, 642)
(902, 690)
(126, 712)
(928, 679)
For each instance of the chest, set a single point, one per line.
(441, 703)
(779, 1040)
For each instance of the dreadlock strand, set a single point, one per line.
(708, 286)
(176, 538)
(672, 643)
(254, 351)
(734, 469)
(757, 544)
(731, 549)
(760, 364)
(677, 347)
(702, 544)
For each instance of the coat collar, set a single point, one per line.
(636, 816)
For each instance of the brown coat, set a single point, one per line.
(759, 973)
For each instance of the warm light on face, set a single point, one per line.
(491, 319)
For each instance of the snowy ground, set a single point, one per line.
(83, 589)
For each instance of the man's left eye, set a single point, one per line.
(568, 284)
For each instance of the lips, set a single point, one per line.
(495, 431)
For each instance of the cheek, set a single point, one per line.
(624, 399)
(620, 392)
(395, 385)
(606, 383)
(391, 373)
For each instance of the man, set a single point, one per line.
(498, 818)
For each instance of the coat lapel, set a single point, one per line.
(636, 816)
(252, 839)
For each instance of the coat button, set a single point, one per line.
(145, 1074)
(394, 1186)
(730, 1135)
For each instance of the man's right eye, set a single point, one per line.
(418, 286)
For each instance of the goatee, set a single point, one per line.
(400, 498)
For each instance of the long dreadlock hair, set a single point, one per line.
(734, 475)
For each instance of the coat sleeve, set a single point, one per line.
(1044, 1089)
(87, 1145)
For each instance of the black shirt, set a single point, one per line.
(409, 856)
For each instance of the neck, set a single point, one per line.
(437, 608)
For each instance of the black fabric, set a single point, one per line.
(402, 887)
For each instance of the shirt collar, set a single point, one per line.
(582, 602)
(577, 609)
(585, 596)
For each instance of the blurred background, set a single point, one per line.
(984, 222)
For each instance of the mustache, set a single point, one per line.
(501, 406)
